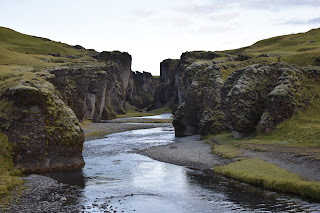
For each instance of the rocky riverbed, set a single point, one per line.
(43, 194)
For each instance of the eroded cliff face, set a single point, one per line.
(141, 89)
(190, 64)
(41, 109)
(47, 87)
(253, 99)
(123, 62)
(45, 133)
(166, 91)
(202, 112)
(99, 90)
(92, 90)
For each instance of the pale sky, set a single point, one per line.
(152, 31)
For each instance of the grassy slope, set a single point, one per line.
(301, 49)
(25, 50)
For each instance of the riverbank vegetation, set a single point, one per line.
(270, 176)
(9, 176)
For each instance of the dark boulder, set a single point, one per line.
(44, 132)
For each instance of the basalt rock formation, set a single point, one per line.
(48, 87)
(141, 90)
(176, 76)
(190, 64)
(202, 110)
(166, 92)
(45, 133)
(252, 99)
(92, 91)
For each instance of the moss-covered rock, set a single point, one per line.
(203, 101)
(179, 123)
(259, 97)
(44, 132)
(202, 109)
(247, 99)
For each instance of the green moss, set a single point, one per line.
(8, 174)
(261, 173)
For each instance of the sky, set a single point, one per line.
(152, 31)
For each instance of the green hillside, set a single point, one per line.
(25, 50)
(301, 49)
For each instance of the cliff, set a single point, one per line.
(141, 90)
(48, 87)
(166, 92)
(45, 134)
(247, 90)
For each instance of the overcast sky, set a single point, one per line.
(152, 31)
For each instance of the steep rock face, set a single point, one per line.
(141, 90)
(259, 97)
(123, 62)
(92, 91)
(247, 99)
(166, 91)
(179, 123)
(45, 133)
(202, 110)
(190, 64)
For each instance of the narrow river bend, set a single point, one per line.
(118, 180)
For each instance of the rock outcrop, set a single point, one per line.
(245, 102)
(92, 91)
(259, 97)
(122, 60)
(166, 91)
(141, 90)
(99, 90)
(253, 99)
(190, 64)
(54, 87)
(202, 112)
(44, 132)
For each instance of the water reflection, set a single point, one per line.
(131, 182)
(248, 196)
(72, 177)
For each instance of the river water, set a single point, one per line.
(116, 179)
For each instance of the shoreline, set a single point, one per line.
(94, 131)
(189, 151)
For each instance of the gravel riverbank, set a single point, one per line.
(44, 194)
(186, 151)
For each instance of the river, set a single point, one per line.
(116, 179)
